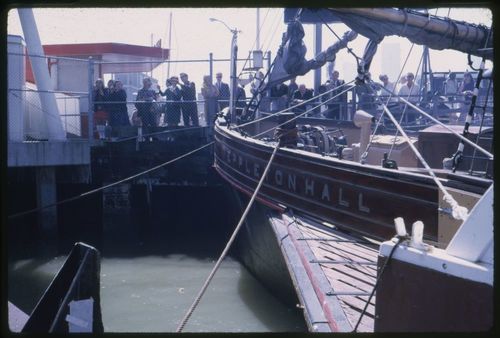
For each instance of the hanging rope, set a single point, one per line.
(109, 185)
(458, 212)
(379, 276)
(228, 245)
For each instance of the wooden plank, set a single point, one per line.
(361, 244)
(353, 273)
(342, 276)
(346, 278)
(370, 269)
(352, 249)
(344, 255)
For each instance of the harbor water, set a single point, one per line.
(152, 268)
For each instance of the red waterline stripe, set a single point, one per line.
(321, 296)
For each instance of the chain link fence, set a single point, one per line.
(164, 103)
(32, 115)
(83, 111)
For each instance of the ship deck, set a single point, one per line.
(340, 268)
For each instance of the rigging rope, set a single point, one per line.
(458, 212)
(365, 154)
(297, 105)
(480, 126)
(157, 133)
(406, 105)
(457, 157)
(228, 245)
(109, 185)
(349, 49)
(462, 138)
(307, 111)
(254, 43)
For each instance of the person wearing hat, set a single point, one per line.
(145, 99)
(189, 106)
(173, 105)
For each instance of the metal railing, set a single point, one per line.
(73, 79)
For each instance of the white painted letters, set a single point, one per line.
(326, 193)
(341, 199)
(362, 207)
(278, 177)
(309, 187)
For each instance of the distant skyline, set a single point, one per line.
(391, 61)
(194, 36)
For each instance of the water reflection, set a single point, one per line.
(151, 272)
(152, 294)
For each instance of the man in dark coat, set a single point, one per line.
(189, 106)
(223, 88)
(337, 103)
(300, 95)
(279, 96)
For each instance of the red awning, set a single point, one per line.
(109, 52)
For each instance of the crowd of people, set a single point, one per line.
(110, 103)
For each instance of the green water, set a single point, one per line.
(150, 290)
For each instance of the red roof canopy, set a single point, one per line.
(108, 52)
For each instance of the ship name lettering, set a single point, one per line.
(326, 193)
(291, 182)
(256, 169)
(247, 169)
(342, 201)
(362, 207)
(309, 187)
(278, 177)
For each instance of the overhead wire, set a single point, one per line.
(254, 42)
(271, 36)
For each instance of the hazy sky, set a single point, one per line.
(194, 36)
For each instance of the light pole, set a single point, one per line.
(234, 53)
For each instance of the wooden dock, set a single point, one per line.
(339, 267)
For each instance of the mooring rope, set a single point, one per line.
(400, 239)
(228, 245)
(109, 185)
